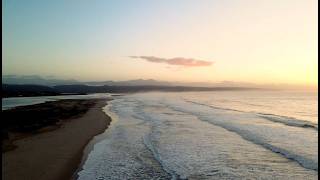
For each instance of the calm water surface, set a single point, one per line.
(12, 102)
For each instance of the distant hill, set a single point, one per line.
(27, 90)
(9, 90)
(38, 80)
(14, 79)
(35, 80)
(135, 82)
(125, 89)
(52, 82)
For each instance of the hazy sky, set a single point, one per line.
(260, 41)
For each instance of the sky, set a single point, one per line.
(256, 41)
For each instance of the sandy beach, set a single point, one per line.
(55, 154)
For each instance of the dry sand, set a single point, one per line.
(54, 155)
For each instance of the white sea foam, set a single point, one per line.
(290, 121)
(299, 144)
(162, 136)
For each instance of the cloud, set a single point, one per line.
(179, 61)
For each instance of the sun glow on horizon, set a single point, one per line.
(243, 41)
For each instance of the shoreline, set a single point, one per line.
(94, 140)
(56, 154)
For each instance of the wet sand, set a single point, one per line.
(56, 154)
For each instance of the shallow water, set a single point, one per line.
(187, 135)
(12, 102)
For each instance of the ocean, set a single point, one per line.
(208, 135)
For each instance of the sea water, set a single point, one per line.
(208, 135)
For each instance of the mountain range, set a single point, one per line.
(51, 82)
(38, 80)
